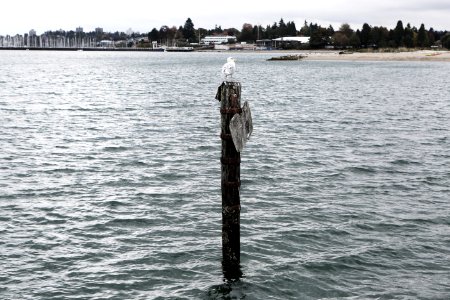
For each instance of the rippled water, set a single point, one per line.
(110, 178)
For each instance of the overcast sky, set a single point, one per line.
(19, 16)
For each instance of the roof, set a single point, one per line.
(301, 39)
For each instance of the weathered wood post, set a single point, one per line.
(229, 95)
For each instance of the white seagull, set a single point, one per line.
(229, 68)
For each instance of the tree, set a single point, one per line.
(319, 37)
(304, 31)
(422, 37)
(354, 41)
(346, 29)
(218, 29)
(163, 34)
(408, 36)
(189, 30)
(398, 34)
(255, 32)
(261, 33)
(282, 28)
(153, 35)
(231, 32)
(179, 35)
(366, 35)
(380, 36)
(330, 30)
(339, 39)
(431, 37)
(445, 40)
(247, 33)
(291, 29)
(274, 30)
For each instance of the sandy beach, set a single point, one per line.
(421, 55)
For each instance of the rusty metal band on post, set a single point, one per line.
(230, 161)
(235, 184)
(233, 111)
(225, 136)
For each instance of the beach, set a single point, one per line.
(421, 55)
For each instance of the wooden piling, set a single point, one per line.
(229, 95)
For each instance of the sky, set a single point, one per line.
(19, 16)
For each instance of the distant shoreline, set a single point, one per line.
(336, 55)
(420, 55)
(309, 55)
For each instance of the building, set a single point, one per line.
(79, 29)
(291, 39)
(218, 39)
(264, 44)
(99, 30)
(105, 44)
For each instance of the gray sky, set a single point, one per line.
(19, 16)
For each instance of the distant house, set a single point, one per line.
(264, 44)
(218, 39)
(290, 39)
(106, 43)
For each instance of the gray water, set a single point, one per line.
(110, 178)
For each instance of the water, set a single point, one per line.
(110, 178)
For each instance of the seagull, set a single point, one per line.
(229, 68)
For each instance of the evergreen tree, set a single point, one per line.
(282, 28)
(408, 36)
(422, 37)
(153, 35)
(398, 34)
(258, 32)
(218, 29)
(189, 31)
(431, 37)
(319, 37)
(354, 41)
(179, 34)
(274, 31)
(330, 30)
(445, 40)
(291, 29)
(304, 31)
(366, 35)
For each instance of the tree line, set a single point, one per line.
(344, 37)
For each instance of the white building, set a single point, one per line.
(106, 44)
(218, 39)
(295, 39)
